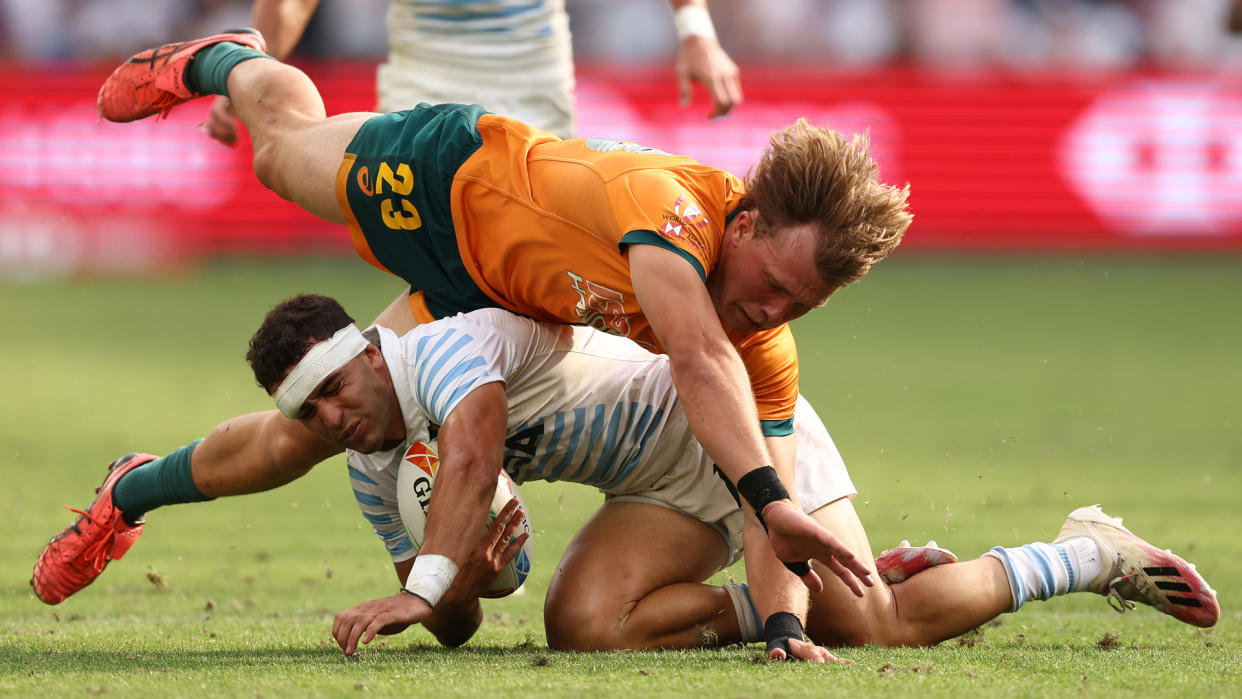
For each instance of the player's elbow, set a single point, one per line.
(692, 362)
(453, 626)
(454, 638)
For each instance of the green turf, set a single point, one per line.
(976, 401)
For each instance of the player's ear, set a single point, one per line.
(744, 224)
(374, 357)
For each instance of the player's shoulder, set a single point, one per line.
(485, 326)
(492, 320)
(774, 346)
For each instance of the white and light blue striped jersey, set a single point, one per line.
(514, 57)
(487, 29)
(584, 406)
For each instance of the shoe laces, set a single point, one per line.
(95, 553)
(165, 103)
(1116, 600)
(82, 513)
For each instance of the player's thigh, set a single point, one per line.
(837, 616)
(625, 552)
(300, 163)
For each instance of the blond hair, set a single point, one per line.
(813, 175)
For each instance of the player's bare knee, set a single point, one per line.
(265, 165)
(565, 631)
(581, 625)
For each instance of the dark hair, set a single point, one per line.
(291, 328)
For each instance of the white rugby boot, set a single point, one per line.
(1136, 571)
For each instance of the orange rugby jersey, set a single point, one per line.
(541, 227)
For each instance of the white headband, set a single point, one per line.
(320, 361)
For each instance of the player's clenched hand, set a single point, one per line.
(221, 122)
(804, 650)
(797, 537)
(702, 60)
(497, 548)
(384, 615)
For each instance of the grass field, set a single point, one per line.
(977, 401)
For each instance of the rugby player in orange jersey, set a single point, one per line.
(477, 210)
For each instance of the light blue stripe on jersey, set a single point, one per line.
(609, 453)
(572, 448)
(468, 16)
(422, 354)
(356, 475)
(368, 499)
(378, 520)
(397, 544)
(597, 428)
(558, 427)
(645, 427)
(443, 366)
(601, 450)
(430, 372)
(456, 373)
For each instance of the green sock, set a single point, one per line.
(165, 481)
(208, 72)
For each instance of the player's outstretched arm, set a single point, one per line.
(781, 601)
(701, 59)
(714, 391)
(282, 23)
(471, 445)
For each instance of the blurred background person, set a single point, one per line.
(513, 57)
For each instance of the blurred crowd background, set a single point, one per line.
(1015, 34)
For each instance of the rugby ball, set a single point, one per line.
(415, 479)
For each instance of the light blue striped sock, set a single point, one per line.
(747, 616)
(1036, 571)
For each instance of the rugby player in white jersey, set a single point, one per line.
(512, 56)
(557, 402)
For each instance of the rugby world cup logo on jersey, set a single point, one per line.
(599, 307)
(685, 218)
(685, 213)
(423, 457)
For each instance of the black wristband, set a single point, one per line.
(760, 488)
(798, 568)
(779, 628)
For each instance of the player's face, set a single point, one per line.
(762, 282)
(356, 406)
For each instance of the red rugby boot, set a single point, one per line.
(153, 81)
(1136, 571)
(76, 556)
(897, 564)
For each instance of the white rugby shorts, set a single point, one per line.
(693, 488)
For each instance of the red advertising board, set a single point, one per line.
(995, 161)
